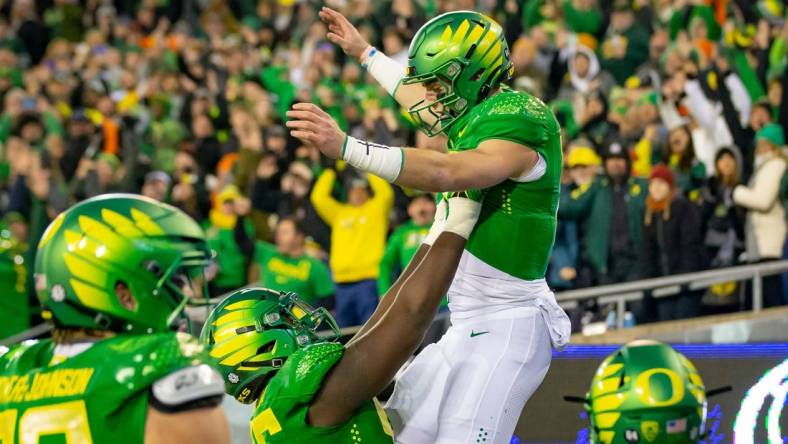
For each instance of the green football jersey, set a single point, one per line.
(281, 413)
(516, 227)
(100, 395)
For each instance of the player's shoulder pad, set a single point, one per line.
(22, 354)
(188, 388)
(515, 103)
(305, 370)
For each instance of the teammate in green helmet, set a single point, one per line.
(113, 275)
(508, 145)
(310, 389)
(646, 392)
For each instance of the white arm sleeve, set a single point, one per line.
(385, 70)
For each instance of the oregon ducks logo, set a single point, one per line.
(650, 430)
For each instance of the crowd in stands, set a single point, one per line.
(673, 115)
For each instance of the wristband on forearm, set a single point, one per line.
(383, 69)
(380, 160)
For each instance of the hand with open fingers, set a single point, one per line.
(313, 126)
(342, 33)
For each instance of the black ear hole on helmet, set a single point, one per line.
(430, 54)
(621, 380)
(154, 268)
(267, 348)
(478, 22)
(470, 51)
(242, 330)
(477, 75)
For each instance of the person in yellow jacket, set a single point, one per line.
(358, 238)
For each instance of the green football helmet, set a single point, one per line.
(646, 392)
(467, 53)
(253, 331)
(120, 262)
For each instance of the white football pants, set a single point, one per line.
(472, 385)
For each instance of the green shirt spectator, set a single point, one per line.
(286, 267)
(625, 46)
(405, 241)
(14, 277)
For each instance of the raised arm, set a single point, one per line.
(492, 162)
(371, 360)
(386, 71)
(326, 206)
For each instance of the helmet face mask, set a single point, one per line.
(452, 106)
(253, 331)
(122, 263)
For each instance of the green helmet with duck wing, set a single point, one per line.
(466, 52)
(646, 392)
(120, 262)
(253, 331)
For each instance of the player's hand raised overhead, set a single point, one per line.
(342, 33)
(313, 126)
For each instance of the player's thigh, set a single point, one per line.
(414, 405)
(494, 372)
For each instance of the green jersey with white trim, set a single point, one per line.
(516, 227)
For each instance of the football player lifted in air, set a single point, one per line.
(313, 390)
(472, 385)
(113, 275)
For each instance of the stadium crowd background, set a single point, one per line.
(672, 112)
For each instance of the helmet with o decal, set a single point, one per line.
(646, 392)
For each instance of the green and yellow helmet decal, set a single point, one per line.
(467, 53)
(253, 331)
(120, 262)
(646, 392)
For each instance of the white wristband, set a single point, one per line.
(385, 70)
(380, 160)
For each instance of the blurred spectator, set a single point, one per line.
(625, 46)
(765, 227)
(223, 221)
(358, 236)
(406, 240)
(285, 266)
(609, 212)
(585, 75)
(157, 185)
(672, 242)
(679, 155)
(724, 226)
(15, 309)
(583, 166)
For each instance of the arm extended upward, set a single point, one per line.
(393, 333)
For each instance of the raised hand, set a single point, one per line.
(313, 126)
(342, 33)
